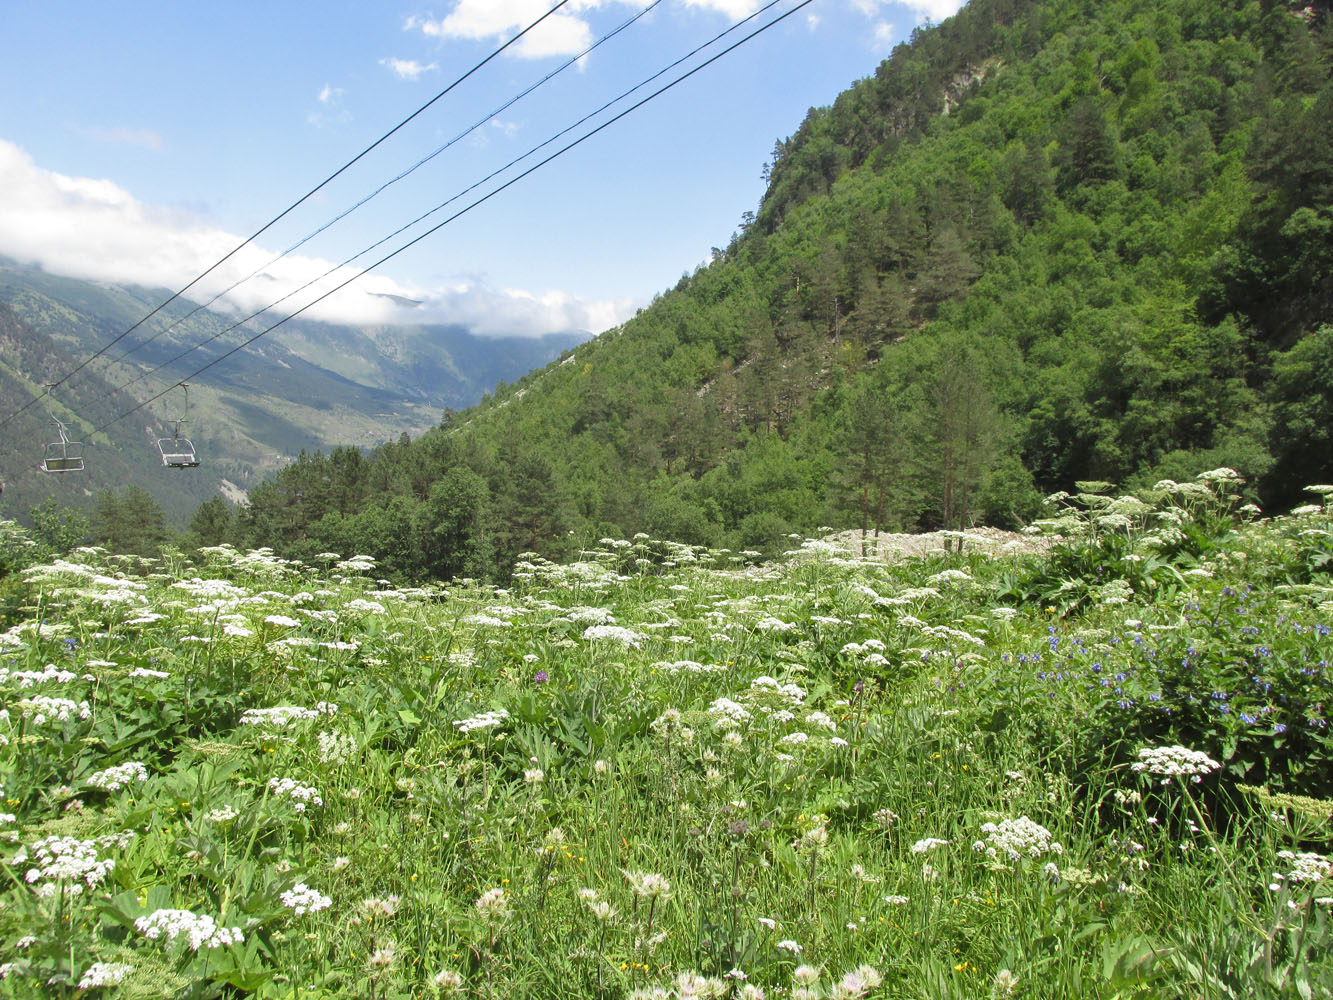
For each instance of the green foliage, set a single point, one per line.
(56, 527)
(128, 521)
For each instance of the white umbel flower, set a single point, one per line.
(199, 930)
(1169, 762)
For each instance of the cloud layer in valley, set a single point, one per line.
(96, 230)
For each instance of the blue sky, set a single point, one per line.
(139, 141)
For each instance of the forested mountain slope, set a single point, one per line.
(1046, 241)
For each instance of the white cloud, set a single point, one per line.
(119, 134)
(885, 38)
(407, 69)
(330, 113)
(936, 10)
(489, 311)
(734, 9)
(563, 33)
(96, 230)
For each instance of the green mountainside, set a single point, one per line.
(306, 386)
(1048, 241)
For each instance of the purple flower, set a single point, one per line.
(540, 677)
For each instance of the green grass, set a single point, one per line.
(666, 771)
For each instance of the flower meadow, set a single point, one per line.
(1098, 770)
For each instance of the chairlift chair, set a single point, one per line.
(177, 452)
(63, 455)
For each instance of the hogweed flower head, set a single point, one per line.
(104, 974)
(68, 862)
(1169, 762)
(1016, 839)
(301, 899)
(1307, 866)
(198, 930)
(299, 794)
(486, 720)
(927, 844)
(113, 779)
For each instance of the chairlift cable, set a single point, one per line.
(389, 183)
(401, 229)
(286, 211)
(463, 211)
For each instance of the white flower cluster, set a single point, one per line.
(486, 720)
(727, 711)
(927, 844)
(362, 605)
(301, 899)
(688, 666)
(199, 930)
(65, 860)
(1307, 866)
(43, 710)
(145, 673)
(49, 674)
(301, 795)
(493, 906)
(792, 692)
(1016, 839)
(649, 885)
(335, 747)
(104, 974)
(113, 779)
(591, 616)
(282, 621)
(820, 719)
(282, 716)
(1171, 761)
(856, 983)
(614, 633)
(693, 986)
(380, 906)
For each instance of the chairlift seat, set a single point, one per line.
(67, 464)
(63, 456)
(177, 453)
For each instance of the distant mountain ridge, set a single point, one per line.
(306, 386)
